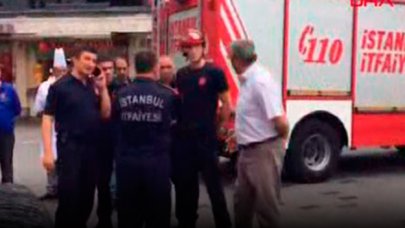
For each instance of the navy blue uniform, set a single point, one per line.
(107, 148)
(196, 144)
(116, 85)
(106, 192)
(76, 110)
(145, 112)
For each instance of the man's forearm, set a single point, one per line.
(47, 134)
(282, 126)
(105, 104)
(225, 111)
(17, 104)
(283, 132)
(224, 115)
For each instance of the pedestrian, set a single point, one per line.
(200, 85)
(261, 129)
(167, 71)
(145, 113)
(120, 80)
(106, 153)
(77, 103)
(10, 109)
(59, 69)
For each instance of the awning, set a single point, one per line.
(75, 27)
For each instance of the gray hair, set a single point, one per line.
(244, 50)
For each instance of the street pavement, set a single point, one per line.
(367, 191)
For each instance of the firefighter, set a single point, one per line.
(106, 153)
(200, 85)
(77, 103)
(59, 69)
(120, 80)
(144, 112)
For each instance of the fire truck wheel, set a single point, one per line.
(313, 152)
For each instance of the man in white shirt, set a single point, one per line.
(59, 69)
(261, 129)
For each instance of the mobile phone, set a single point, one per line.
(96, 72)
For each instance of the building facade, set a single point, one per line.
(31, 30)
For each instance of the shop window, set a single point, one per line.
(44, 50)
(34, 4)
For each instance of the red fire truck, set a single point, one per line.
(341, 64)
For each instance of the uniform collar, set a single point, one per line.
(76, 80)
(142, 78)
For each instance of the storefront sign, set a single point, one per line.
(46, 46)
(6, 29)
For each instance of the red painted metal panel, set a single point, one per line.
(285, 51)
(354, 61)
(371, 130)
(319, 98)
(216, 31)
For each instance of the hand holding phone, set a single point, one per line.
(99, 78)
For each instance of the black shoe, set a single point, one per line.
(48, 196)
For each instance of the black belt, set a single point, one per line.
(253, 144)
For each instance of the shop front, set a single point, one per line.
(42, 52)
(27, 49)
(40, 57)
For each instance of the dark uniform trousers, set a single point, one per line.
(78, 172)
(194, 155)
(6, 156)
(143, 191)
(106, 158)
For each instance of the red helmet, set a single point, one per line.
(193, 38)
